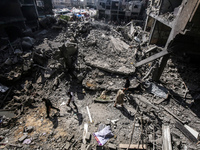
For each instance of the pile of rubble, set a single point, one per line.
(88, 58)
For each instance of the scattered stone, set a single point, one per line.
(112, 146)
(70, 137)
(22, 138)
(89, 147)
(29, 129)
(27, 43)
(67, 146)
(18, 52)
(39, 59)
(8, 61)
(99, 147)
(83, 147)
(88, 135)
(48, 73)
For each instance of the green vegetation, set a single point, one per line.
(65, 17)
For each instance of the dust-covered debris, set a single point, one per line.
(87, 58)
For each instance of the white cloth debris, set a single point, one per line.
(27, 141)
(103, 136)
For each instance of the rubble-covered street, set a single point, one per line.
(93, 59)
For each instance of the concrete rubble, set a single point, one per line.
(87, 58)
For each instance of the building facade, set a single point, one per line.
(16, 16)
(119, 9)
(174, 26)
(61, 3)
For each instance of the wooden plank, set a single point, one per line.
(167, 145)
(85, 131)
(185, 132)
(89, 114)
(133, 146)
(132, 132)
(149, 59)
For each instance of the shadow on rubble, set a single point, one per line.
(54, 120)
(77, 89)
(126, 113)
(79, 116)
(188, 68)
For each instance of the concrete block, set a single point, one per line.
(82, 146)
(88, 135)
(89, 147)
(99, 147)
(67, 146)
(21, 139)
(29, 129)
(70, 137)
(112, 146)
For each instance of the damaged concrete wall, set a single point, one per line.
(30, 12)
(121, 10)
(174, 26)
(10, 9)
(185, 15)
(169, 5)
(160, 34)
(11, 19)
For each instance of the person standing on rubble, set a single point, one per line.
(119, 98)
(71, 99)
(49, 105)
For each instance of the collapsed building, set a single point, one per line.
(16, 16)
(121, 10)
(91, 59)
(174, 27)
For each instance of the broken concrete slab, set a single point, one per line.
(67, 145)
(185, 132)
(157, 90)
(112, 146)
(110, 53)
(88, 136)
(21, 139)
(29, 129)
(107, 66)
(83, 147)
(98, 80)
(192, 131)
(89, 147)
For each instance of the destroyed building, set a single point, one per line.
(120, 9)
(173, 26)
(93, 60)
(61, 3)
(16, 16)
